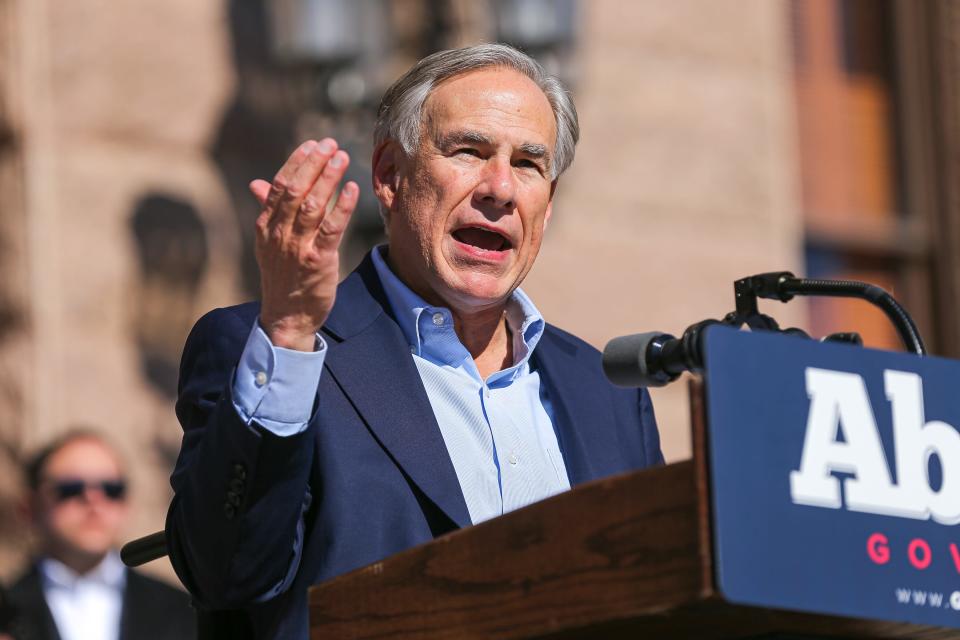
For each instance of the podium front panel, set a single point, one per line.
(835, 473)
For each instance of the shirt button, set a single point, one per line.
(513, 459)
(486, 392)
(438, 318)
(260, 378)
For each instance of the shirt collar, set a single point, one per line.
(429, 330)
(109, 573)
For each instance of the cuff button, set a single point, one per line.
(260, 378)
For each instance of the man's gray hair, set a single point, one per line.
(401, 110)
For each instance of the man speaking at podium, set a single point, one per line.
(329, 426)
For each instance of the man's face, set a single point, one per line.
(84, 522)
(472, 203)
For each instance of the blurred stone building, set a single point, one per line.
(719, 139)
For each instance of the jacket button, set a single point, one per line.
(229, 510)
(236, 485)
(240, 471)
(233, 498)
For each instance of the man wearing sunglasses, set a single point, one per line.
(77, 586)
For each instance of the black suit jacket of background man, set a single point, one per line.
(151, 610)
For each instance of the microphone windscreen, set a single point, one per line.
(625, 361)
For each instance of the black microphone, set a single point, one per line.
(653, 359)
(633, 361)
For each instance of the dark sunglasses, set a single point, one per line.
(68, 489)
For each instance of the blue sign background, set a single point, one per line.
(771, 552)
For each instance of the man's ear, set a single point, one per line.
(549, 211)
(386, 172)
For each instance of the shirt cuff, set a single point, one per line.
(275, 387)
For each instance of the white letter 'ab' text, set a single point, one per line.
(839, 401)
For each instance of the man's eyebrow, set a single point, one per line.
(454, 138)
(535, 150)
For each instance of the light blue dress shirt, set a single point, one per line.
(498, 431)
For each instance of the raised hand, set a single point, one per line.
(298, 241)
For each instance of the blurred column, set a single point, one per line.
(42, 377)
(21, 356)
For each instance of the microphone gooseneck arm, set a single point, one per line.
(783, 286)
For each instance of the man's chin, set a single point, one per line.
(93, 547)
(478, 290)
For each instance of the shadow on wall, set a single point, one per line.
(171, 243)
(172, 251)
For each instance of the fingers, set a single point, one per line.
(295, 203)
(260, 190)
(314, 205)
(284, 177)
(295, 181)
(334, 223)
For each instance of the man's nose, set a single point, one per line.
(92, 493)
(497, 184)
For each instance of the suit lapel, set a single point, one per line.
(579, 405)
(37, 619)
(370, 361)
(132, 602)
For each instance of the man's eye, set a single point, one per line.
(468, 151)
(527, 164)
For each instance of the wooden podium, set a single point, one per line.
(624, 557)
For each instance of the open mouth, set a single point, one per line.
(482, 239)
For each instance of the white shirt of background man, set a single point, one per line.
(86, 607)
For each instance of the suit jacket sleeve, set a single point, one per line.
(236, 523)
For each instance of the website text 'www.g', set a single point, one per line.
(932, 599)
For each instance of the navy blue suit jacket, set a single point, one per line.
(368, 478)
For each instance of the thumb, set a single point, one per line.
(260, 190)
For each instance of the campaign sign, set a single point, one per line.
(836, 477)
